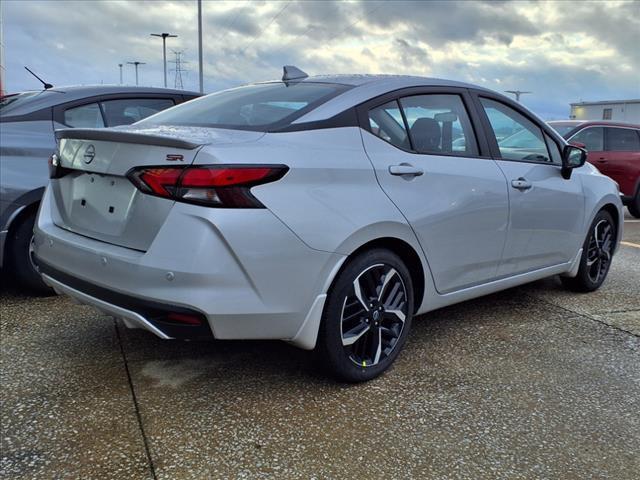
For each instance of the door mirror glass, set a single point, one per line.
(573, 157)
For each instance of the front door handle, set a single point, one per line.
(521, 184)
(405, 169)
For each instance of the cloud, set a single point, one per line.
(562, 51)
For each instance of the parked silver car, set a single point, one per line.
(27, 124)
(323, 211)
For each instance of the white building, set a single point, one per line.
(616, 110)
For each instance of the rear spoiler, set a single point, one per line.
(123, 136)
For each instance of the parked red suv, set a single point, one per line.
(614, 148)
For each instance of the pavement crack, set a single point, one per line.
(135, 402)
(586, 315)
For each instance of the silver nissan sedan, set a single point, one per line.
(324, 211)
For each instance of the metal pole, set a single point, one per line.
(200, 45)
(164, 58)
(136, 65)
(164, 51)
(120, 67)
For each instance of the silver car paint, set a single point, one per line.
(25, 147)
(265, 273)
(458, 208)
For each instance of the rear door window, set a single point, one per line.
(126, 111)
(439, 124)
(386, 122)
(518, 137)
(592, 138)
(623, 140)
(84, 116)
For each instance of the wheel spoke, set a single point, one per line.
(358, 291)
(388, 276)
(376, 359)
(353, 335)
(398, 313)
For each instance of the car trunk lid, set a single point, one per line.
(96, 199)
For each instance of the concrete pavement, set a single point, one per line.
(532, 382)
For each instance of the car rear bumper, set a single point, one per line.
(243, 271)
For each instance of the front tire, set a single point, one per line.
(634, 205)
(21, 258)
(597, 254)
(367, 316)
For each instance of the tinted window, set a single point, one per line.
(562, 129)
(439, 124)
(386, 122)
(11, 102)
(592, 138)
(85, 116)
(623, 140)
(129, 110)
(518, 138)
(254, 107)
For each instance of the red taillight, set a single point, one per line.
(216, 186)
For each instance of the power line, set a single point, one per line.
(273, 19)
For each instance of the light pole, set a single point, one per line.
(164, 37)
(200, 45)
(120, 67)
(136, 65)
(517, 93)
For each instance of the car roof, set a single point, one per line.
(58, 95)
(585, 123)
(366, 87)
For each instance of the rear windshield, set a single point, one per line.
(254, 107)
(563, 128)
(11, 102)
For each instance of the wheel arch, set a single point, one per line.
(407, 254)
(28, 204)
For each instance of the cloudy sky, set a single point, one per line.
(562, 51)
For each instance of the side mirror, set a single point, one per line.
(572, 157)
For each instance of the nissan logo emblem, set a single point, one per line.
(89, 154)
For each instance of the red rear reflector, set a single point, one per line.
(184, 318)
(227, 186)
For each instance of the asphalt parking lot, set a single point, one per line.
(533, 382)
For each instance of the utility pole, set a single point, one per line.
(136, 65)
(120, 67)
(164, 37)
(200, 45)
(517, 93)
(178, 69)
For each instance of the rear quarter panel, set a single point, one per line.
(25, 148)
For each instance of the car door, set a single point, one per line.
(593, 140)
(545, 210)
(622, 147)
(436, 169)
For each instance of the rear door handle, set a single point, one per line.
(521, 184)
(405, 169)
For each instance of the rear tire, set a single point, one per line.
(367, 316)
(597, 254)
(21, 260)
(634, 206)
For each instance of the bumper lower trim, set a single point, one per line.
(103, 306)
(150, 315)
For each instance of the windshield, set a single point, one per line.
(11, 102)
(254, 107)
(563, 128)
